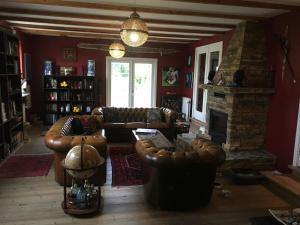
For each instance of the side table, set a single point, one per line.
(182, 127)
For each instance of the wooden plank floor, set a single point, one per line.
(37, 200)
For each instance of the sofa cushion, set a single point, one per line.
(89, 124)
(77, 127)
(153, 115)
(67, 127)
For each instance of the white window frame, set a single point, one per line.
(131, 62)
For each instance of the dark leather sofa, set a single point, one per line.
(119, 122)
(61, 144)
(182, 179)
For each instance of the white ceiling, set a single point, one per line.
(176, 21)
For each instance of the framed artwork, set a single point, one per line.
(69, 54)
(170, 76)
(189, 80)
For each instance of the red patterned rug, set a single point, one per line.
(26, 166)
(126, 167)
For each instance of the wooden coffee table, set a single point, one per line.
(158, 139)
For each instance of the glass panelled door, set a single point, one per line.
(142, 83)
(120, 84)
(207, 59)
(131, 82)
(201, 76)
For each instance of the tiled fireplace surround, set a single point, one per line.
(246, 107)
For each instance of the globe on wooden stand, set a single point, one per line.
(81, 162)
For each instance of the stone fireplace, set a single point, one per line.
(237, 115)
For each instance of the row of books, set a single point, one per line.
(17, 139)
(85, 84)
(68, 108)
(13, 48)
(67, 96)
(3, 113)
(12, 112)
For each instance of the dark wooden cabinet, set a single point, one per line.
(11, 118)
(66, 95)
(172, 101)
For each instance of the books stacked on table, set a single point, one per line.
(144, 131)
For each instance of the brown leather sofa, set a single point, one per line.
(181, 179)
(61, 144)
(119, 122)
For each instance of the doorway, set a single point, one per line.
(207, 59)
(296, 159)
(131, 82)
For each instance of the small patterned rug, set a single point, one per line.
(26, 166)
(126, 167)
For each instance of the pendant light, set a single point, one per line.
(134, 31)
(117, 50)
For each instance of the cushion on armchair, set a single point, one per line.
(67, 127)
(89, 124)
(153, 115)
(77, 127)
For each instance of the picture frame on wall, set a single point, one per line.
(170, 76)
(189, 80)
(69, 54)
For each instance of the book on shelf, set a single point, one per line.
(145, 131)
(3, 113)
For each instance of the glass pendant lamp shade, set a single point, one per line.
(117, 50)
(134, 31)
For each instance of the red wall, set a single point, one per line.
(51, 48)
(282, 116)
(281, 127)
(188, 92)
(282, 122)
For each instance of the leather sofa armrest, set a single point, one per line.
(98, 113)
(170, 115)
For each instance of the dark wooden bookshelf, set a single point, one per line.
(11, 118)
(60, 100)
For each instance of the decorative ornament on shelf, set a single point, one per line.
(134, 31)
(64, 84)
(117, 50)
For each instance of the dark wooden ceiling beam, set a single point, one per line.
(94, 36)
(102, 31)
(243, 3)
(104, 25)
(122, 7)
(109, 18)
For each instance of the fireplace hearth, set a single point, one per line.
(237, 116)
(218, 126)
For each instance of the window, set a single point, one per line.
(131, 82)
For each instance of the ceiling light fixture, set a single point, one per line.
(134, 31)
(117, 50)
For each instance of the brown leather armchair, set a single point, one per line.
(119, 122)
(61, 144)
(182, 179)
